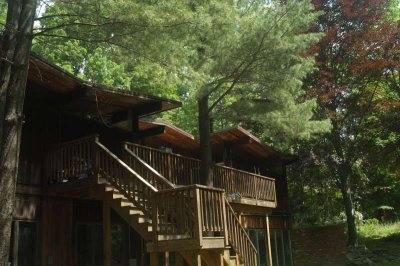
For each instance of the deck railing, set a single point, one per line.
(239, 239)
(191, 212)
(71, 160)
(178, 169)
(183, 170)
(145, 170)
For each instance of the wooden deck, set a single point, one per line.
(168, 216)
(241, 187)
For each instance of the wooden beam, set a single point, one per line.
(239, 142)
(157, 130)
(147, 108)
(196, 258)
(178, 259)
(106, 233)
(154, 259)
(166, 258)
(55, 99)
(138, 111)
(269, 241)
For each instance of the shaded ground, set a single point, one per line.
(379, 245)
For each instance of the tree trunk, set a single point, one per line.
(348, 206)
(14, 57)
(206, 174)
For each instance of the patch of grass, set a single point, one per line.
(379, 231)
(383, 240)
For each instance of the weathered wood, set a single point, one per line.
(182, 170)
(106, 234)
(269, 242)
(239, 239)
(154, 259)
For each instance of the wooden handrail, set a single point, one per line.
(239, 239)
(178, 169)
(129, 183)
(145, 170)
(182, 170)
(70, 160)
(244, 172)
(192, 212)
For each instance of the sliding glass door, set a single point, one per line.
(280, 246)
(259, 239)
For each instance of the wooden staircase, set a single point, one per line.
(171, 218)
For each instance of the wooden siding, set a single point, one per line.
(57, 232)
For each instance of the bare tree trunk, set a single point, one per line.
(206, 174)
(348, 206)
(14, 58)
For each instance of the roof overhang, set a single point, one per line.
(51, 85)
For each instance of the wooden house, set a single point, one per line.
(100, 185)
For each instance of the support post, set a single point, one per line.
(106, 234)
(166, 258)
(196, 258)
(224, 213)
(269, 241)
(178, 259)
(197, 216)
(154, 259)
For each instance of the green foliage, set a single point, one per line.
(3, 13)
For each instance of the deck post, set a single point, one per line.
(196, 258)
(198, 217)
(226, 234)
(269, 241)
(154, 259)
(178, 259)
(106, 233)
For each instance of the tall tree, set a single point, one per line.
(14, 56)
(356, 57)
(255, 54)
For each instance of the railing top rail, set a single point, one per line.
(197, 160)
(244, 172)
(94, 137)
(192, 187)
(161, 151)
(126, 167)
(240, 225)
(166, 181)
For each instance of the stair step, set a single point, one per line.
(134, 211)
(125, 203)
(117, 195)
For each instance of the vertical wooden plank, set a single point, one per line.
(269, 241)
(196, 258)
(178, 259)
(225, 222)
(198, 217)
(166, 258)
(154, 259)
(106, 234)
(15, 243)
